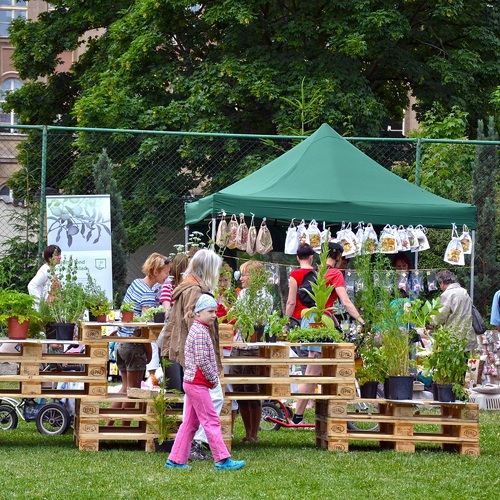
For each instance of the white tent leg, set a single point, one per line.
(186, 238)
(471, 288)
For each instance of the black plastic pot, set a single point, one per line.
(165, 446)
(445, 393)
(65, 331)
(398, 387)
(159, 317)
(368, 390)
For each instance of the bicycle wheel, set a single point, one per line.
(361, 407)
(53, 419)
(270, 409)
(8, 418)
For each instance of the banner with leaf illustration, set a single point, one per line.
(81, 227)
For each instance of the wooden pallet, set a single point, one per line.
(40, 371)
(456, 425)
(92, 416)
(146, 332)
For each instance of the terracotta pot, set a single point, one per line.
(127, 316)
(16, 330)
(101, 318)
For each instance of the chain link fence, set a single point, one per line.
(158, 172)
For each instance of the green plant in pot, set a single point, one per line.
(321, 291)
(447, 363)
(275, 327)
(251, 311)
(66, 301)
(321, 333)
(149, 314)
(372, 371)
(127, 309)
(97, 302)
(17, 311)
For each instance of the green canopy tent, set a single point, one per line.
(328, 179)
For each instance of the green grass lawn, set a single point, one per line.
(284, 465)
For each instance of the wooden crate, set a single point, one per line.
(145, 332)
(457, 425)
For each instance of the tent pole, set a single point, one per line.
(214, 222)
(472, 252)
(186, 238)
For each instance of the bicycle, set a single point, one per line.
(51, 418)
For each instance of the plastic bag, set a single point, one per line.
(359, 237)
(403, 236)
(314, 236)
(412, 238)
(423, 243)
(370, 240)
(252, 237)
(387, 240)
(432, 284)
(466, 240)
(264, 243)
(292, 239)
(454, 252)
(345, 236)
(324, 234)
(232, 229)
(302, 234)
(416, 282)
(222, 235)
(242, 234)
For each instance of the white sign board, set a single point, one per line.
(81, 227)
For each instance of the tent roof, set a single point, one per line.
(328, 179)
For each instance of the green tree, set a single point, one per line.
(106, 184)
(485, 181)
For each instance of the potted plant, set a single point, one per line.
(321, 333)
(153, 314)
(371, 372)
(97, 302)
(447, 363)
(17, 311)
(127, 309)
(321, 291)
(251, 311)
(275, 328)
(66, 301)
(166, 423)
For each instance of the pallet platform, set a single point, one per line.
(92, 416)
(456, 425)
(146, 332)
(39, 372)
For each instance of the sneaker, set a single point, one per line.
(172, 465)
(229, 464)
(199, 452)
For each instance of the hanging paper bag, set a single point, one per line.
(292, 239)
(351, 235)
(454, 252)
(302, 234)
(388, 240)
(314, 236)
(423, 243)
(403, 236)
(412, 238)
(252, 237)
(232, 229)
(466, 240)
(359, 237)
(395, 232)
(222, 236)
(264, 243)
(416, 282)
(370, 240)
(242, 234)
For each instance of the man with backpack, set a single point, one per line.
(335, 278)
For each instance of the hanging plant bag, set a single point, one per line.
(222, 235)
(232, 229)
(292, 239)
(252, 237)
(454, 252)
(264, 243)
(370, 240)
(314, 236)
(466, 240)
(387, 240)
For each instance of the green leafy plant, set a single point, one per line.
(447, 363)
(319, 334)
(419, 313)
(17, 304)
(67, 296)
(96, 300)
(127, 306)
(276, 325)
(321, 291)
(165, 422)
(253, 308)
(373, 368)
(148, 314)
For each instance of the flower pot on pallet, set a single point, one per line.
(398, 387)
(65, 331)
(127, 316)
(16, 330)
(368, 390)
